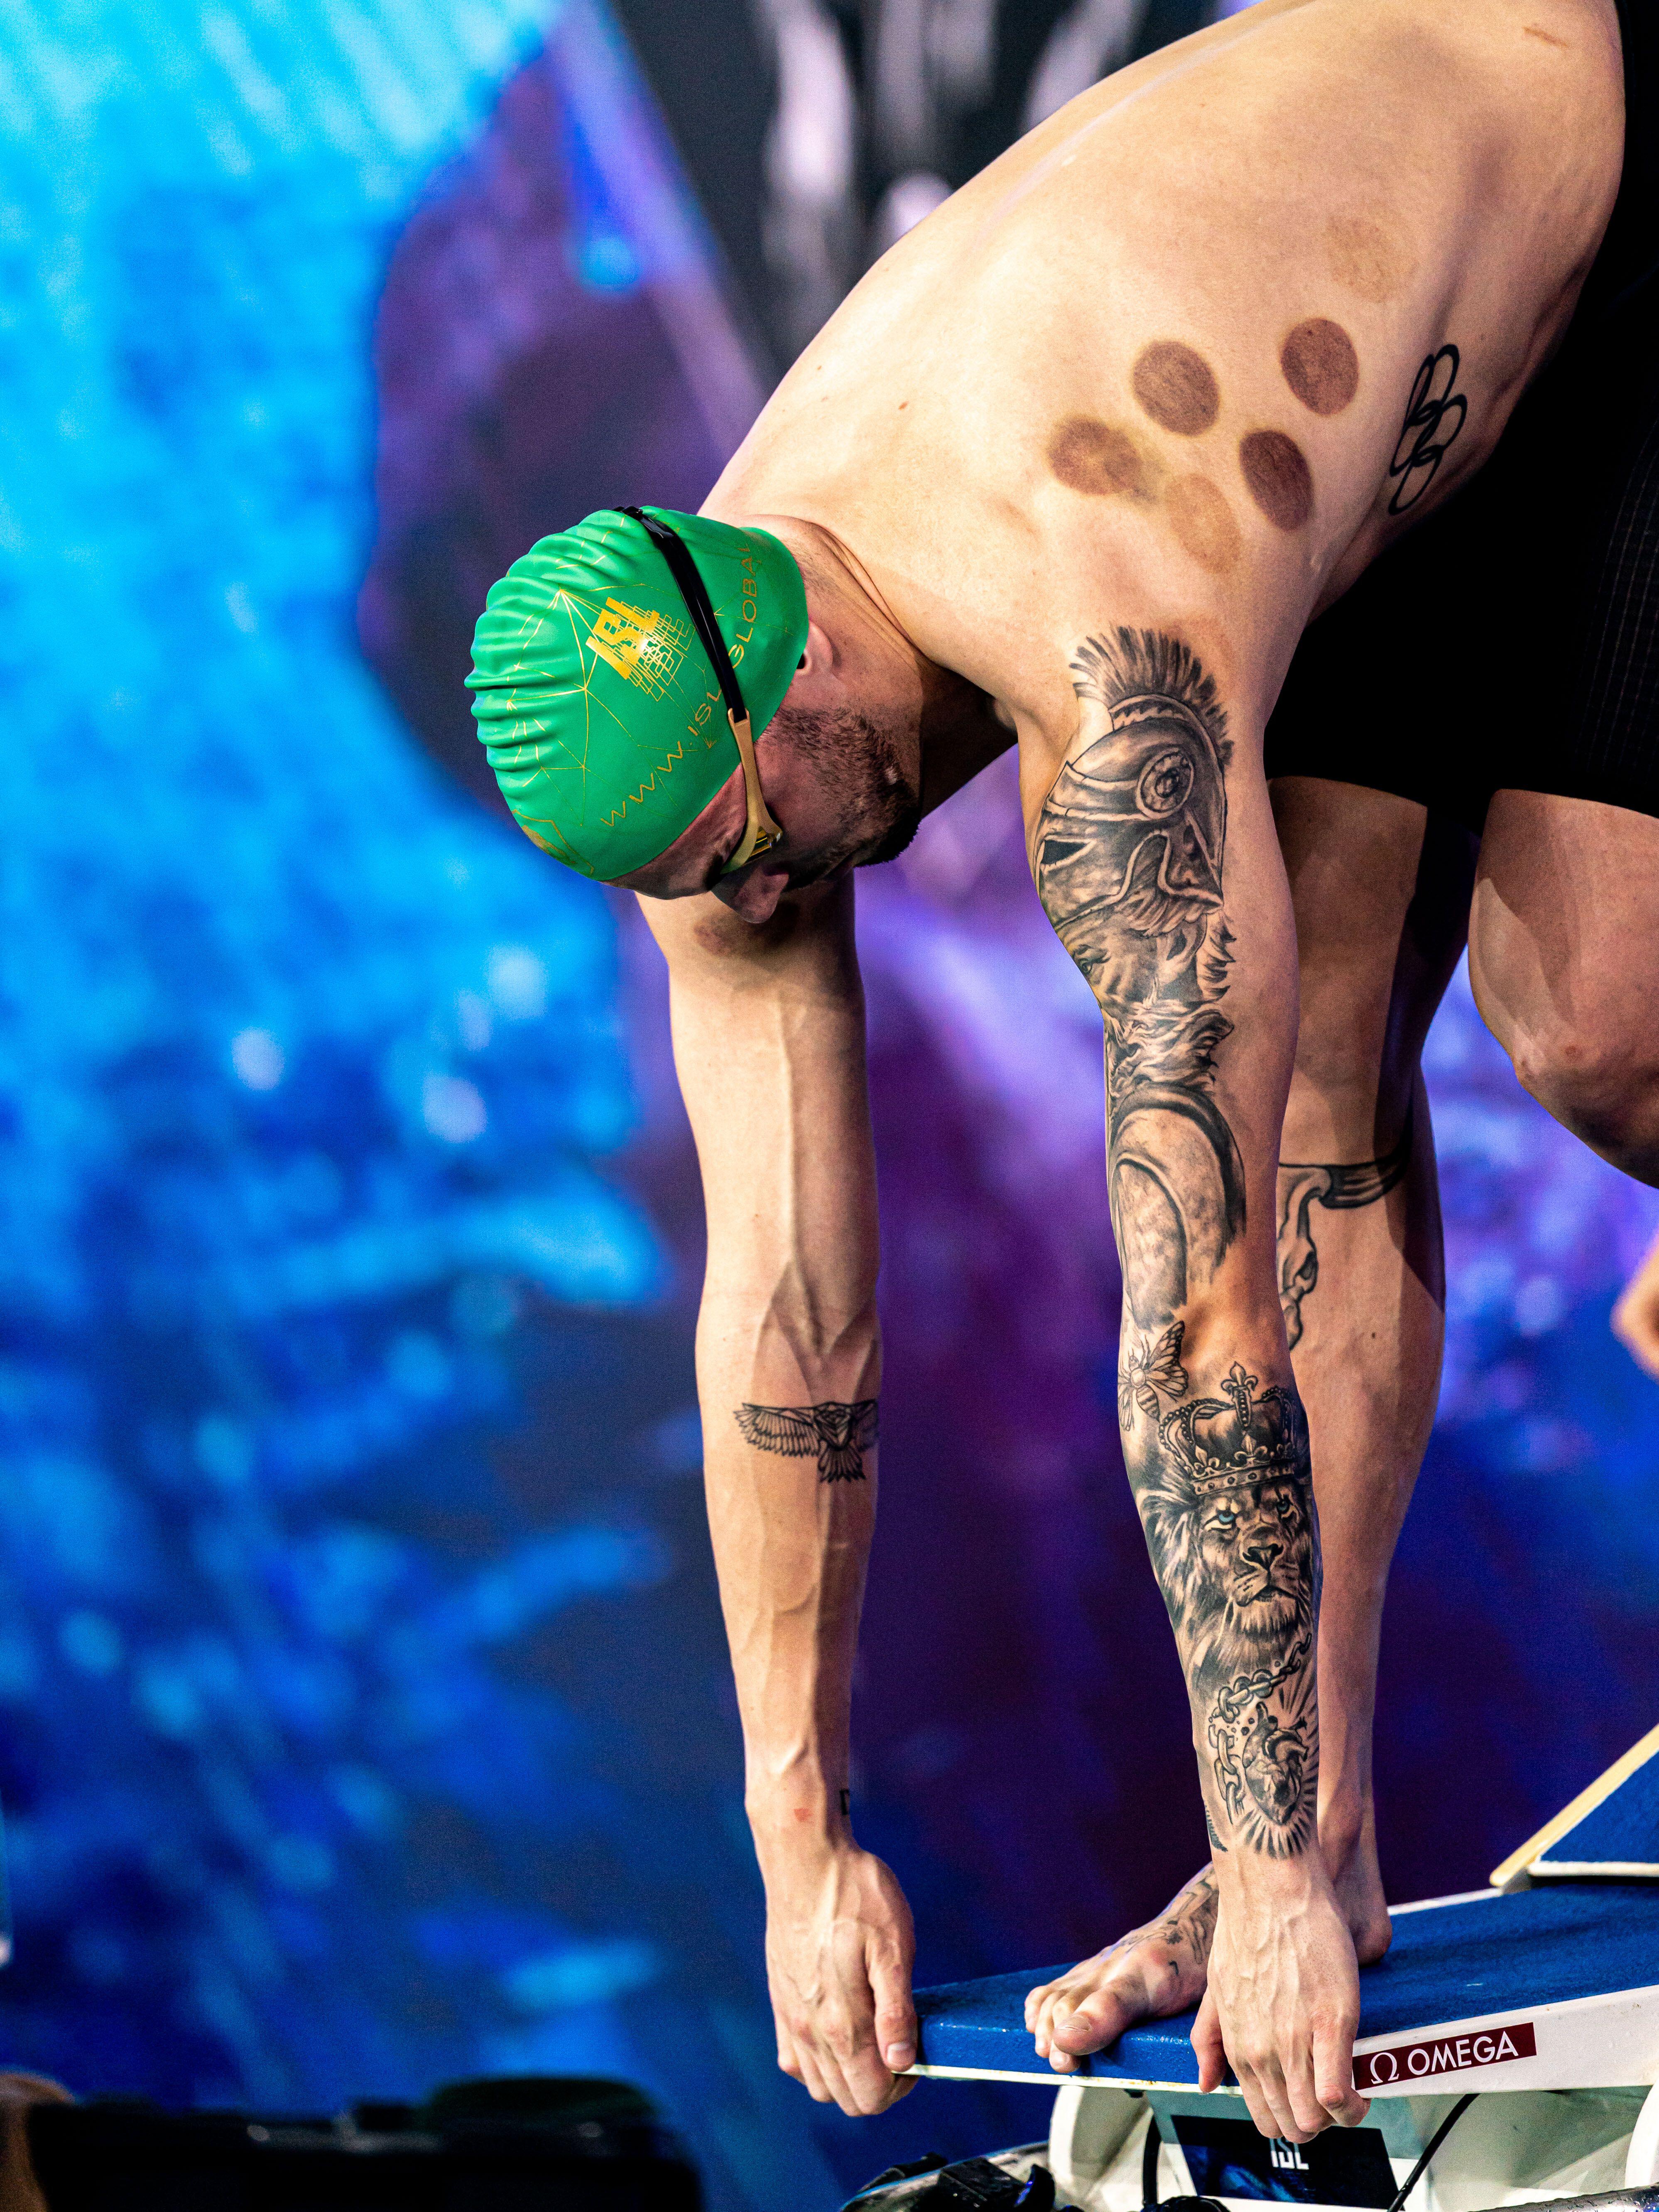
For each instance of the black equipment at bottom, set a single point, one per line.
(972, 2184)
(518, 2145)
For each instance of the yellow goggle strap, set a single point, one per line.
(763, 832)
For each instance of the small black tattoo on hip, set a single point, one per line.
(1435, 414)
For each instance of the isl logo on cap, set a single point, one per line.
(643, 644)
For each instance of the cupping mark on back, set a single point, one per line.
(1280, 480)
(1320, 365)
(1177, 387)
(1098, 458)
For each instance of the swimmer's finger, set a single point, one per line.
(1333, 2070)
(853, 2070)
(1636, 1323)
(894, 2013)
(1307, 2112)
(1207, 2046)
(806, 2072)
(1257, 2101)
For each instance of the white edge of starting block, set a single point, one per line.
(1051, 2081)
(1454, 1897)
(1609, 1869)
(1600, 2042)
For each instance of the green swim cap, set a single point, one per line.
(596, 702)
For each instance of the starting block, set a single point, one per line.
(1544, 1988)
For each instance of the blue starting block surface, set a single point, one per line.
(1553, 1987)
(1610, 1830)
(1617, 1831)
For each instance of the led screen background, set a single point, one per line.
(364, 1717)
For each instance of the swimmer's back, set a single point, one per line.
(1175, 327)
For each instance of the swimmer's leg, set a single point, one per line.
(1381, 894)
(1562, 946)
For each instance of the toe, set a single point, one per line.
(1098, 2020)
(1061, 2058)
(1041, 2017)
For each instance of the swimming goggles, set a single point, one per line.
(763, 832)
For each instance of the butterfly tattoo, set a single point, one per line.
(839, 1433)
(1144, 1373)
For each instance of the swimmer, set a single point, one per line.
(1072, 468)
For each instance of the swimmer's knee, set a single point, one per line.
(1340, 1093)
(1602, 1086)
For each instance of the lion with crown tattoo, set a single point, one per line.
(1227, 1520)
(1236, 1568)
(1225, 1503)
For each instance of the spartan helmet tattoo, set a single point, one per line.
(1129, 866)
(1135, 827)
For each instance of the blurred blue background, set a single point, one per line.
(364, 1714)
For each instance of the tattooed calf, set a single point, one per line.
(1129, 856)
(1303, 1184)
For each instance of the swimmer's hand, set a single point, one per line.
(1283, 1997)
(839, 1950)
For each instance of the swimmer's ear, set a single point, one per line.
(819, 658)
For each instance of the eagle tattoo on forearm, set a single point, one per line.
(839, 1433)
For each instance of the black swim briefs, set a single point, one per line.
(1512, 641)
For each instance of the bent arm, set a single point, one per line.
(769, 1042)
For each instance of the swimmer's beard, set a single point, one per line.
(899, 837)
(857, 758)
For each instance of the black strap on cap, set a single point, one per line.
(695, 592)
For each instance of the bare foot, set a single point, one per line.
(1148, 1974)
(1159, 1970)
(1356, 1877)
